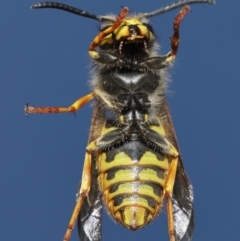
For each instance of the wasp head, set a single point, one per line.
(127, 34)
(133, 34)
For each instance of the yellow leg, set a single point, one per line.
(99, 38)
(168, 190)
(72, 108)
(84, 190)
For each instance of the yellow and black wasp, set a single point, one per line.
(132, 163)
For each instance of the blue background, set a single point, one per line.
(44, 61)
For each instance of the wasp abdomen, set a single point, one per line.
(132, 181)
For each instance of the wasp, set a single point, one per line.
(132, 162)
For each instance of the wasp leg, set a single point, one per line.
(105, 58)
(157, 141)
(158, 62)
(111, 139)
(98, 39)
(168, 191)
(166, 60)
(72, 108)
(175, 39)
(84, 189)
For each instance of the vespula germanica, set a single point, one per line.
(132, 162)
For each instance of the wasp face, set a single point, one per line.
(132, 33)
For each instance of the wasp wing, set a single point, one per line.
(183, 191)
(89, 220)
(90, 216)
(183, 206)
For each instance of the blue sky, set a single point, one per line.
(44, 61)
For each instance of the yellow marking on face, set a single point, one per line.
(107, 39)
(131, 21)
(144, 31)
(122, 32)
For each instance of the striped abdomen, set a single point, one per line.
(131, 179)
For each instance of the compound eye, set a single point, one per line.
(149, 27)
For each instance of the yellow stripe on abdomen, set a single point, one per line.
(131, 179)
